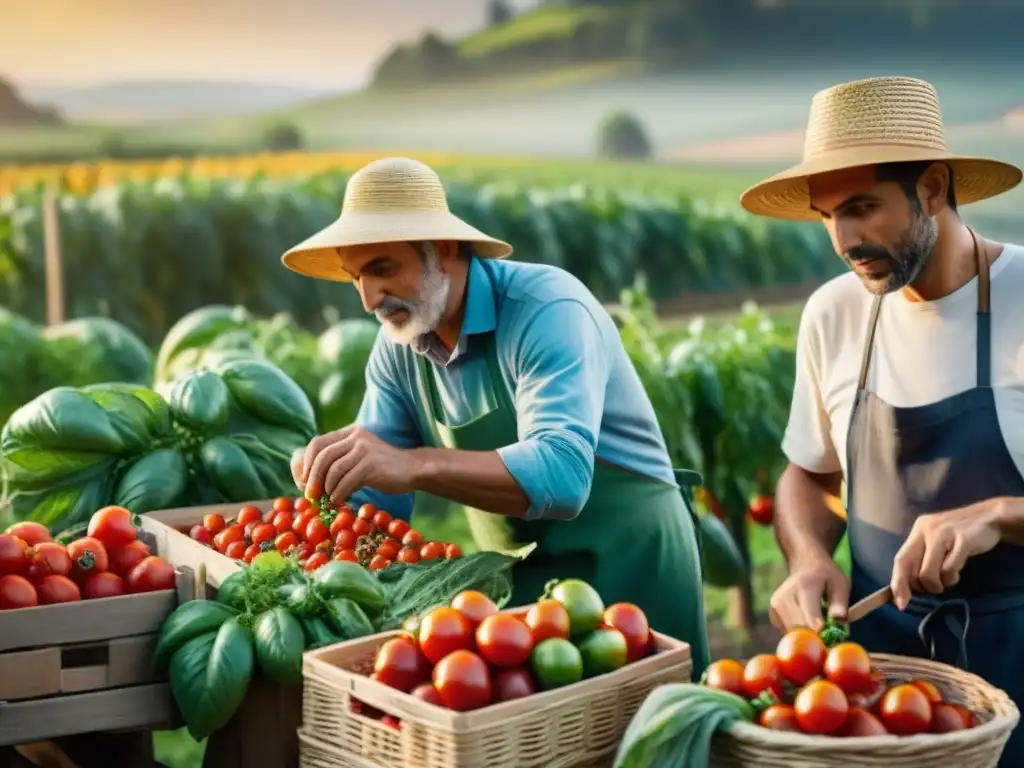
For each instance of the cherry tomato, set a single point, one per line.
(859, 723)
(249, 514)
(315, 560)
(317, 531)
(236, 550)
(548, 618)
(214, 522)
(379, 563)
(428, 693)
(408, 555)
(869, 696)
(283, 504)
(347, 555)
(929, 689)
(848, 666)
(113, 526)
(778, 717)
(302, 504)
(55, 589)
(17, 592)
(229, 535)
(338, 525)
(432, 550)
(346, 539)
(366, 512)
(504, 640)
(361, 527)
(399, 664)
(263, 532)
(762, 510)
(304, 549)
(801, 654)
(285, 542)
(46, 559)
(443, 631)
(32, 533)
(381, 520)
(463, 681)
(509, 684)
(123, 560)
(201, 534)
(725, 675)
(398, 529)
(452, 551)
(821, 707)
(99, 584)
(946, 718)
(282, 521)
(905, 710)
(388, 548)
(14, 556)
(250, 552)
(632, 623)
(413, 539)
(151, 575)
(301, 520)
(762, 673)
(88, 556)
(475, 606)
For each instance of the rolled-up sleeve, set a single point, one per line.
(385, 412)
(561, 366)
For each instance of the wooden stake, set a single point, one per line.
(53, 260)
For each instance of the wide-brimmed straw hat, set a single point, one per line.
(395, 199)
(872, 121)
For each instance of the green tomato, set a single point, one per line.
(583, 604)
(603, 650)
(556, 663)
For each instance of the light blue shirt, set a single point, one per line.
(576, 392)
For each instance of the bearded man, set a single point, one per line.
(910, 385)
(504, 387)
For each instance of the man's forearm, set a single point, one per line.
(477, 479)
(1008, 517)
(805, 528)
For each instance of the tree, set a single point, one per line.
(622, 137)
(282, 136)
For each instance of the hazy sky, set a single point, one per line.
(321, 43)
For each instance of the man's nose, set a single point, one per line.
(371, 295)
(846, 236)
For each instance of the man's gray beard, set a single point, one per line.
(425, 312)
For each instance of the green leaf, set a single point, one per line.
(230, 470)
(157, 480)
(187, 621)
(63, 419)
(268, 395)
(279, 643)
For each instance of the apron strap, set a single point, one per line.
(984, 352)
(956, 628)
(869, 342)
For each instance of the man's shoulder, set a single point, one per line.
(841, 300)
(523, 285)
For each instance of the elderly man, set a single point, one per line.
(910, 385)
(504, 387)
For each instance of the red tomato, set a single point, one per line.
(382, 520)
(315, 560)
(548, 618)
(285, 542)
(249, 514)
(929, 689)
(432, 550)
(346, 517)
(778, 717)
(248, 528)
(88, 556)
(361, 527)
(509, 684)
(398, 529)
(282, 521)
(801, 654)
(763, 672)
(302, 520)
(388, 548)
(762, 510)
(263, 532)
(99, 584)
(346, 539)
(366, 512)
(123, 560)
(408, 555)
(463, 681)
(428, 693)
(443, 631)
(859, 723)
(475, 606)
(725, 675)
(214, 522)
(30, 532)
(968, 717)
(946, 718)
(821, 707)
(399, 664)
(848, 666)
(452, 551)
(316, 531)
(905, 710)
(151, 575)
(632, 623)
(379, 563)
(304, 549)
(413, 539)
(504, 640)
(57, 589)
(201, 534)
(113, 526)
(48, 558)
(283, 504)
(250, 552)
(347, 555)
(17, 592)
(229, 535)
(14, 556)
(302, 504)
(338, 525)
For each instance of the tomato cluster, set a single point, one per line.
(315, 533)
(107, 562)
(810, 688)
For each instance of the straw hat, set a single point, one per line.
(866, 122)
(390, 200)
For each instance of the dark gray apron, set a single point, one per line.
(905, 462)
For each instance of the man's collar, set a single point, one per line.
(481, 315)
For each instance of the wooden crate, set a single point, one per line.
(84, 667)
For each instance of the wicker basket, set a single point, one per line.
(578, 726)
(750, 746)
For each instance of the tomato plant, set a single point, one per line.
(32, 533)
(725, 675)
(400, 664)
(504, 640)
(113, 526)
(632, 623)
(17, 592)
(54, 589)
(463, 681)
(123, 560)
(475, 606)
(778, 717)
(14, 557)
(849, 666)
(443, 631)
(509, 684)
(762, 673)
(151, 575)
(905, 710)
(48, 558)
(821, 707)
(99, 584)
(548, 618)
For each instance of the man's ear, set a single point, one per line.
(933, 188)
(447, 253)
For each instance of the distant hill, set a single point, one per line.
(139, 101)
(15, 110)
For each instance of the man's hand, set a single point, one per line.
(797, 601)
(340, 463)
(938, 547)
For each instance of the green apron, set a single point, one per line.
(634, 541)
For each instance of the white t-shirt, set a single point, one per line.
(923, 352)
